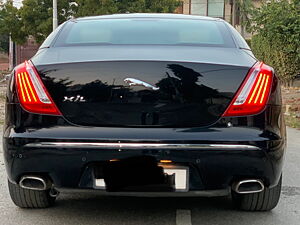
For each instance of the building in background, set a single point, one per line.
(20, 53)
(25, 51)
(213, 8)
(224, 9)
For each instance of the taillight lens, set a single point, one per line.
(32, 94)
(253, 95)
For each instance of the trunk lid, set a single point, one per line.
(142, 93)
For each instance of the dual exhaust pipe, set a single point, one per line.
(38, 183)
(248, 186)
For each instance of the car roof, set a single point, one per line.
(148, 15)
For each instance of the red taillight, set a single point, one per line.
(253, 95)
(32, 94)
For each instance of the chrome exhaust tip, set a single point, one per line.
(53, 192)
(36, 183)
(248, 186)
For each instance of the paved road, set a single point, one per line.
(92, 209)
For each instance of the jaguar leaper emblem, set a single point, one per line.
(136, 82)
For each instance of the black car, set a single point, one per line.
(144, 105)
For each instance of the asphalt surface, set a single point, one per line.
(94, 209)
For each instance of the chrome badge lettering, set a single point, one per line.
(77, 98)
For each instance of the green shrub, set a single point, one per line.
(248, 42)
(277, 37)
(285, 63)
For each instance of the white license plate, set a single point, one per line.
(181, 178)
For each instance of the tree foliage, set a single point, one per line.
(102, 7)
(35, 16)
(245, 8)
(4, 42)
(11, 23)
(276, 26)
(95, 7)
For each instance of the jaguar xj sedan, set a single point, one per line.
(144, 105)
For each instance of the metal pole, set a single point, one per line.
(11, 54)
(55, 21)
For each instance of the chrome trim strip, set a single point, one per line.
(139, 146)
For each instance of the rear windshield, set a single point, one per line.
(145, 32)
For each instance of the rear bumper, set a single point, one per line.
(213, 165)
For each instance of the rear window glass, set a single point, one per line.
(145, 32)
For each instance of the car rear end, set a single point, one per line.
(183, 114)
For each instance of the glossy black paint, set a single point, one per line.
(196, 91)
(209, 169)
